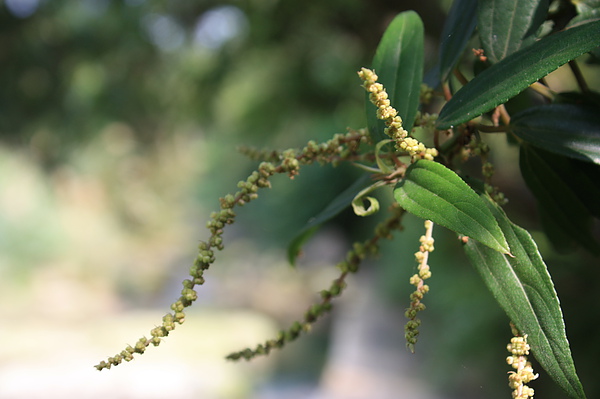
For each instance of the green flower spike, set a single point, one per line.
(342, 147)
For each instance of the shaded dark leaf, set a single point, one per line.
(565, 214)
(458, 29)
(565, 129)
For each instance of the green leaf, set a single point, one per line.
(509, 77)
(506, 26)
(564, 129)
(562, 210)
(399, 64)
(339, 203)
(432, 191)
(588, 11)
(457, 31)
(522, 286)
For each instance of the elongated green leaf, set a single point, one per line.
(522, 286)
(432, 191)
(509, 77)
(588, 11)
(506, 26)
(399, 64)
(457, 31)
(341, 202)
(564, 129)
(563, 212)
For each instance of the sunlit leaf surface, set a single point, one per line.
(399, 64)
(432, 191)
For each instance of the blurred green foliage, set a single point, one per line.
(268, 68)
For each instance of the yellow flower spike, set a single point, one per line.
(411, 331)
(379, 97)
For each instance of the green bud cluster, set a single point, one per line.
(351, 264)
(340, 147)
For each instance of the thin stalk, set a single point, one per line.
(578, 76)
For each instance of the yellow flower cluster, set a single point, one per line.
(393, 121)
(519, 349)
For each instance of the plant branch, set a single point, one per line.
(543, 90)
(583, 86)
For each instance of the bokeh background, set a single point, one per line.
(119, 123)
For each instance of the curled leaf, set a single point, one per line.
(359, 207)
(358, 201)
